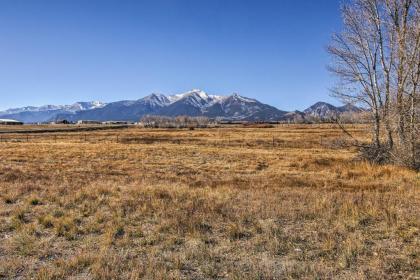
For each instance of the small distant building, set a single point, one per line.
(88, 122)
(117, 122)
(61, 122)
(10, 122)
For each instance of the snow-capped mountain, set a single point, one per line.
(237, 107)
(233, 107)
(47, 112)
(82, 106)
(78, 106)
(196, 97)
(192, 103)
(156, 100)
(127, 110)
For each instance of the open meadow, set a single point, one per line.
(280, 202)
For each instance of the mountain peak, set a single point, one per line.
(323, 110)
(349, 108)
(198, 92)
(239, 98)
(154, 96)
(320, 106)
(321, 103)
(196, 97)
(155, 99)
(80, 106)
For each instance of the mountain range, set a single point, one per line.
(192, 103)
(31, 114)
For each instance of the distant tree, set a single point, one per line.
(174, 122)
(376, 57)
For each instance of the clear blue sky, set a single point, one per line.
(63, 51)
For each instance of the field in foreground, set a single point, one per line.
(227, 203)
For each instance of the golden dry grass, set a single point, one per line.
(223, 203)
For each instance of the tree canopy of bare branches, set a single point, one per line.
(377, 60)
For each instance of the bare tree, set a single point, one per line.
(376, 58)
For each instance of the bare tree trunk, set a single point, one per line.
(377, 130)
(413, 132)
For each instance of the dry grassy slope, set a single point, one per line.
(203, 204)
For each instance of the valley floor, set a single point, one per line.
(222, 203)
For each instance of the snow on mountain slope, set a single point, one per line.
(78, 106)
(196, 97)
(243, 108)
(47, 112)
(156, 99)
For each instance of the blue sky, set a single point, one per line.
(60, 52)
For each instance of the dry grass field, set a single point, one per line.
(225, 203)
